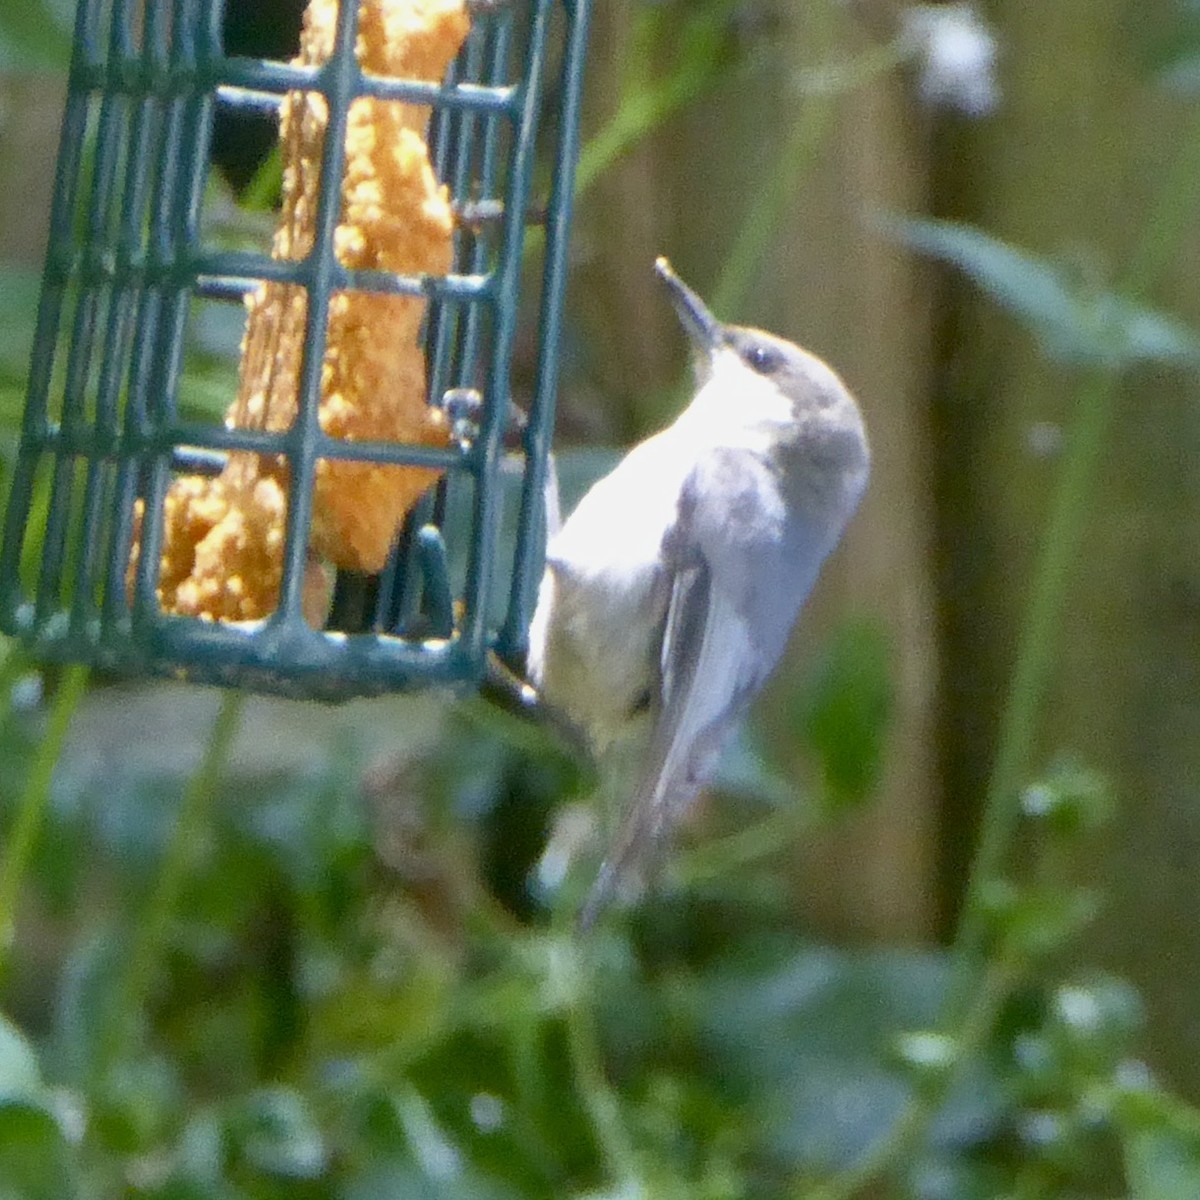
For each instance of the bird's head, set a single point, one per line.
(764, 377)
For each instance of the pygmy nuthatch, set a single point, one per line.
(669, 593)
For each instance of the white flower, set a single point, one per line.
(956, 53)
(26, 693)
(573, 833)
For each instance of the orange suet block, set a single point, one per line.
(223, 538)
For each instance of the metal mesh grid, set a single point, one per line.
(128, 256)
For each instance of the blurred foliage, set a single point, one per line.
(700, 43)
(847, 708)
(36, 35)
(307, 956)
(1076, 320)
(360, 989)
(313, 1020)
(1174, 56)
(18, 304)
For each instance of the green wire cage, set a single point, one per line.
(103, 433)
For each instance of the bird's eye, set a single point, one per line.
(763, 359)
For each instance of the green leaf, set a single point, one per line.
(20, 1076)
(1160, 1139)
(1076, 324)
(201, 1151)
(1095, 1020)
(263, 192)
(33, 1156)
(1038, 920)
(1162, 1164)
(276, 1132)
(389, 1178)
(809, 1035)
(1183, 74)
(133, 1108)
(847, 707)
(35, 36)
(1173, 56)
(86, 1007)
(1070, 799)
(415, 1154)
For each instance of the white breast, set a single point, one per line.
(594, 638)
(593, 642)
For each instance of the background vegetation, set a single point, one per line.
(933, 935)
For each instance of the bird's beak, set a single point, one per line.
(699, 324)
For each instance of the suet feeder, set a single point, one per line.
(141, 539)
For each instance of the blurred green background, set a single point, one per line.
(933, 932)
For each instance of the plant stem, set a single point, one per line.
(587, 1063)
(194, 809)
(819, 89)
(977, 986)
(638, 116)
(31, 807)
(572, 957)
(772, 835)
(762, 221)
(1094, 407)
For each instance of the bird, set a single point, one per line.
(669, 593)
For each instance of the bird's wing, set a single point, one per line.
(707, 671)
